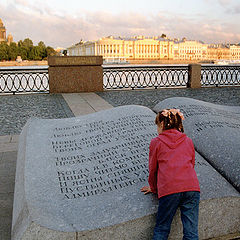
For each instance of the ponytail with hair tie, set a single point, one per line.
(171, 118)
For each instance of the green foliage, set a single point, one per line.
(13, 51)
(23, 52)
(4, 49)
(50, 51)
(26, 50)
(20, 43)
(42, 50)
(27, 43)
(65, 52)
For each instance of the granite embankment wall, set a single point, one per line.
(27, 63)
(151, 61)
(39, 63)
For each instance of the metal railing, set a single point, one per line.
(137, 77)
(17, 80)
(227, 75)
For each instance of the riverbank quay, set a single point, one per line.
(23, 63)
(16, 109)
(72, 79)
(133, 62)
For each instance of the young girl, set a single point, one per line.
(172, 176)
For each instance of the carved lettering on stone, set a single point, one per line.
(115, 167)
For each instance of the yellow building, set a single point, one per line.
(235, 52)
(125, 48)
(189, 50)
(219, 52)
(156, 48)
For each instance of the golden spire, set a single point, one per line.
(1, 23)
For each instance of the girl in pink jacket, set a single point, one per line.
(172, 176)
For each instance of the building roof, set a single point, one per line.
(1, 24)
(186, 40)
(135, 38)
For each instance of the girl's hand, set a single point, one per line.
(146, 189)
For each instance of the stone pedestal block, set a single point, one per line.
(75, 74)
(194, 76)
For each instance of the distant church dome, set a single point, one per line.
(2, 31)
(9, 38)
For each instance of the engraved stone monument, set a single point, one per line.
(80, 178)
(215, 130)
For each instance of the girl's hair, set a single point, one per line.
(171, 118)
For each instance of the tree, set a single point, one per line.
(26, 50)
(20, 43)
(23, 52)
(4, 48)
(42, 44)
(50, 51)
(13, 51)
(42, 49)
(35, 53)
(28, 43)
(163, 35)
(65, 52)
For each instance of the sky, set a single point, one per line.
(62, 23)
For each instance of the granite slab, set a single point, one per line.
(83, 175)
(215, 130)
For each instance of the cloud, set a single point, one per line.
(35, 7)
(21, 2)
(40, 23)
(225, 2)
(231, 6)
(237, 9)
(234, 10)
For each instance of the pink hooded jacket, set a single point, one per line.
(171, 164)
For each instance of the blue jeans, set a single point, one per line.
(189, 207)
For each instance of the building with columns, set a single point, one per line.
(218, 52)
(125, 48)
(156, 48)
(190, 50)
(235, 52)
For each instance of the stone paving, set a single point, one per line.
(7, 178)
(15, 110)
(149, 98)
